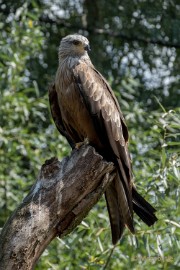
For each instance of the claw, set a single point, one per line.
(79, 144)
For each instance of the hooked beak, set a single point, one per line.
(87, 48)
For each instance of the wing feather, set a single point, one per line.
(111, 129)
(100, 101)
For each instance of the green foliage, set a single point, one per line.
(25, 126)
(144, 77)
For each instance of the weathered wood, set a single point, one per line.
(58, 201)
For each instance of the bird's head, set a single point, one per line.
(74, 45)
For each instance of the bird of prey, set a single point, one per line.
(84, 107)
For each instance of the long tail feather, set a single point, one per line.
(118, 208)
(115, 216)
(143, 209)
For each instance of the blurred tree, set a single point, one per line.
(138, 43)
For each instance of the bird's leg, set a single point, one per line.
(79, 144)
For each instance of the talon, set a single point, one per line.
(86, 141)
(79, 144)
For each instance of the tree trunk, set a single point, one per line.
(58, 201)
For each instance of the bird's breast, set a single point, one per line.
(74, 112)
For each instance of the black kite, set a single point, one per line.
(83, 106)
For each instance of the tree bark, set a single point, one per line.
(58, 201)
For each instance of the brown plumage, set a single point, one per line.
(84, 106)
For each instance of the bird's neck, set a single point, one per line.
(74, 59)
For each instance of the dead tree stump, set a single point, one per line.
(58, 201)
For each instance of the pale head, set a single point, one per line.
(73, 45)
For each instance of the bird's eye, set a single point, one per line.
(76, 42)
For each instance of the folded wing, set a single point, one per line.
(112, 131)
